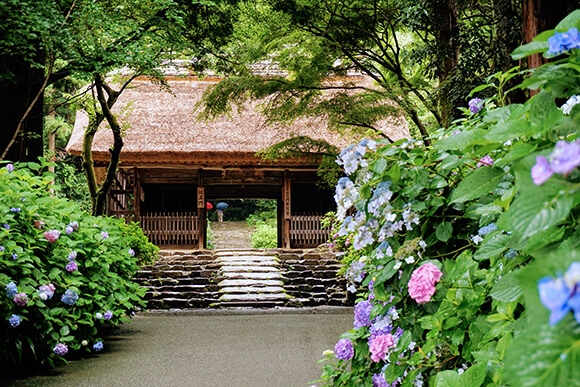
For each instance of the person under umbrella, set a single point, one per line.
(220, 207)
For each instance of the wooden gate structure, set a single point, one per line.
(172, 164)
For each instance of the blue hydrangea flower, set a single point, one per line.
(131, 251)
(69, 229)
(104, 234)
(14, 256)
(570, 103)
(561, 295)
(2, 249)
(566, 157)
(11, 289)
(564, 41)
(108, 315)
(98, 346)
(14, 320)
(6, 226)
(15, 209)
(70, 297)
(487, 229)
(10, 167)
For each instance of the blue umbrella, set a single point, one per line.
(221, 206)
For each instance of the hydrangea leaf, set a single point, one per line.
(509, 130)
(533, 47)
(444, 231)
(519, 151)
(507, 289)
(462, 140)
(572, 20)
(492, 246)
(448, 378)
(479, 182)
(474, 375)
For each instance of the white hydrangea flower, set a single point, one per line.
(572, 101)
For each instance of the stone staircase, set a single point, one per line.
(243, 278)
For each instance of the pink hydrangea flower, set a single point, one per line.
(422, 282)
(380, 345)
(52, 235)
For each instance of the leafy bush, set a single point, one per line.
(64, 274)
(265, 237)
(145, 251)
(468, 252)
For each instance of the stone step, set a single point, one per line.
(249, 263)
(249, 282)
(244, 268)
(252, 289)
(254, 297)
(252, 276)
(252, 304)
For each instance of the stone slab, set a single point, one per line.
(252, 289)
(249, 282)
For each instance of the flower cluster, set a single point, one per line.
(564, 41)
(344, 349)
(11, 289)
(98, 346)
(345, 196)
(21, 299)
(475, 105)
(422, 282)
(60, 349)
(52, 235)
(355, 274)
(14, 320)
(570, 103)
(46, 291)
(483, 231)
(351, 158)
(562, 295)
(72, 265)
(362, 314)
(70, 297)
(563, 160)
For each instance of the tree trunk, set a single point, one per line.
(447, 40)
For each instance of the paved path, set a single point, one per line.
(232, 235)
(273, 348)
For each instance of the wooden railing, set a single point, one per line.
(171, 228)
(306, 230)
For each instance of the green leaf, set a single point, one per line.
(477, 183)
(448, 378)
(507, 289)
(444, 231)
(474, 375)
(519, 151)
(379, 166)
(508, 130)
(572, 20)
(492, 247)
(529, 49)
(462, 140)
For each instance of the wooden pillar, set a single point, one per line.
(201, 211)
(137, 195)
(286, 199)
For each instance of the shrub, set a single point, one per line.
(265, 237)
(64, 274)
(145, 251)
(467, 258)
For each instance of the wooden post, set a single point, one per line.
(286, 198)
(137, 195)
(201, 216)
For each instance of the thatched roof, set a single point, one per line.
(162, 128)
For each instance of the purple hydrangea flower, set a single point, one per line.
(380, 381)
(72, 256)
(487, 160)
(104, 234)
(541, 171)
(6, 226)
(69, 230)
(10, 167)
(2, 249)
(108, 315)
(75, 225)
(362, 313)
(11, 289)
(60, 349)
(21, 299)
(131, 251)
(564, 41)
(72, 266)
(14, 320)
(475, 105)
(70, 297)
(344, 349)
(47, 290)
(566, 157)
(98, 346)
(15, 209)
(14, 257)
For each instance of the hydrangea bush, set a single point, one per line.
(64, 274)
(465, 256)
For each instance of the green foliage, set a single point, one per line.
(145, 251)
(28, 213)
(70, 181)
(469, 206)
(265, 236)
(210, 238)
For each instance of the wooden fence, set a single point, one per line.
(306, 230)
(171, 228)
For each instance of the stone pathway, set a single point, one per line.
(231, 235)
(250, 278)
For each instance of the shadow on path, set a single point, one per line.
(209, 348)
